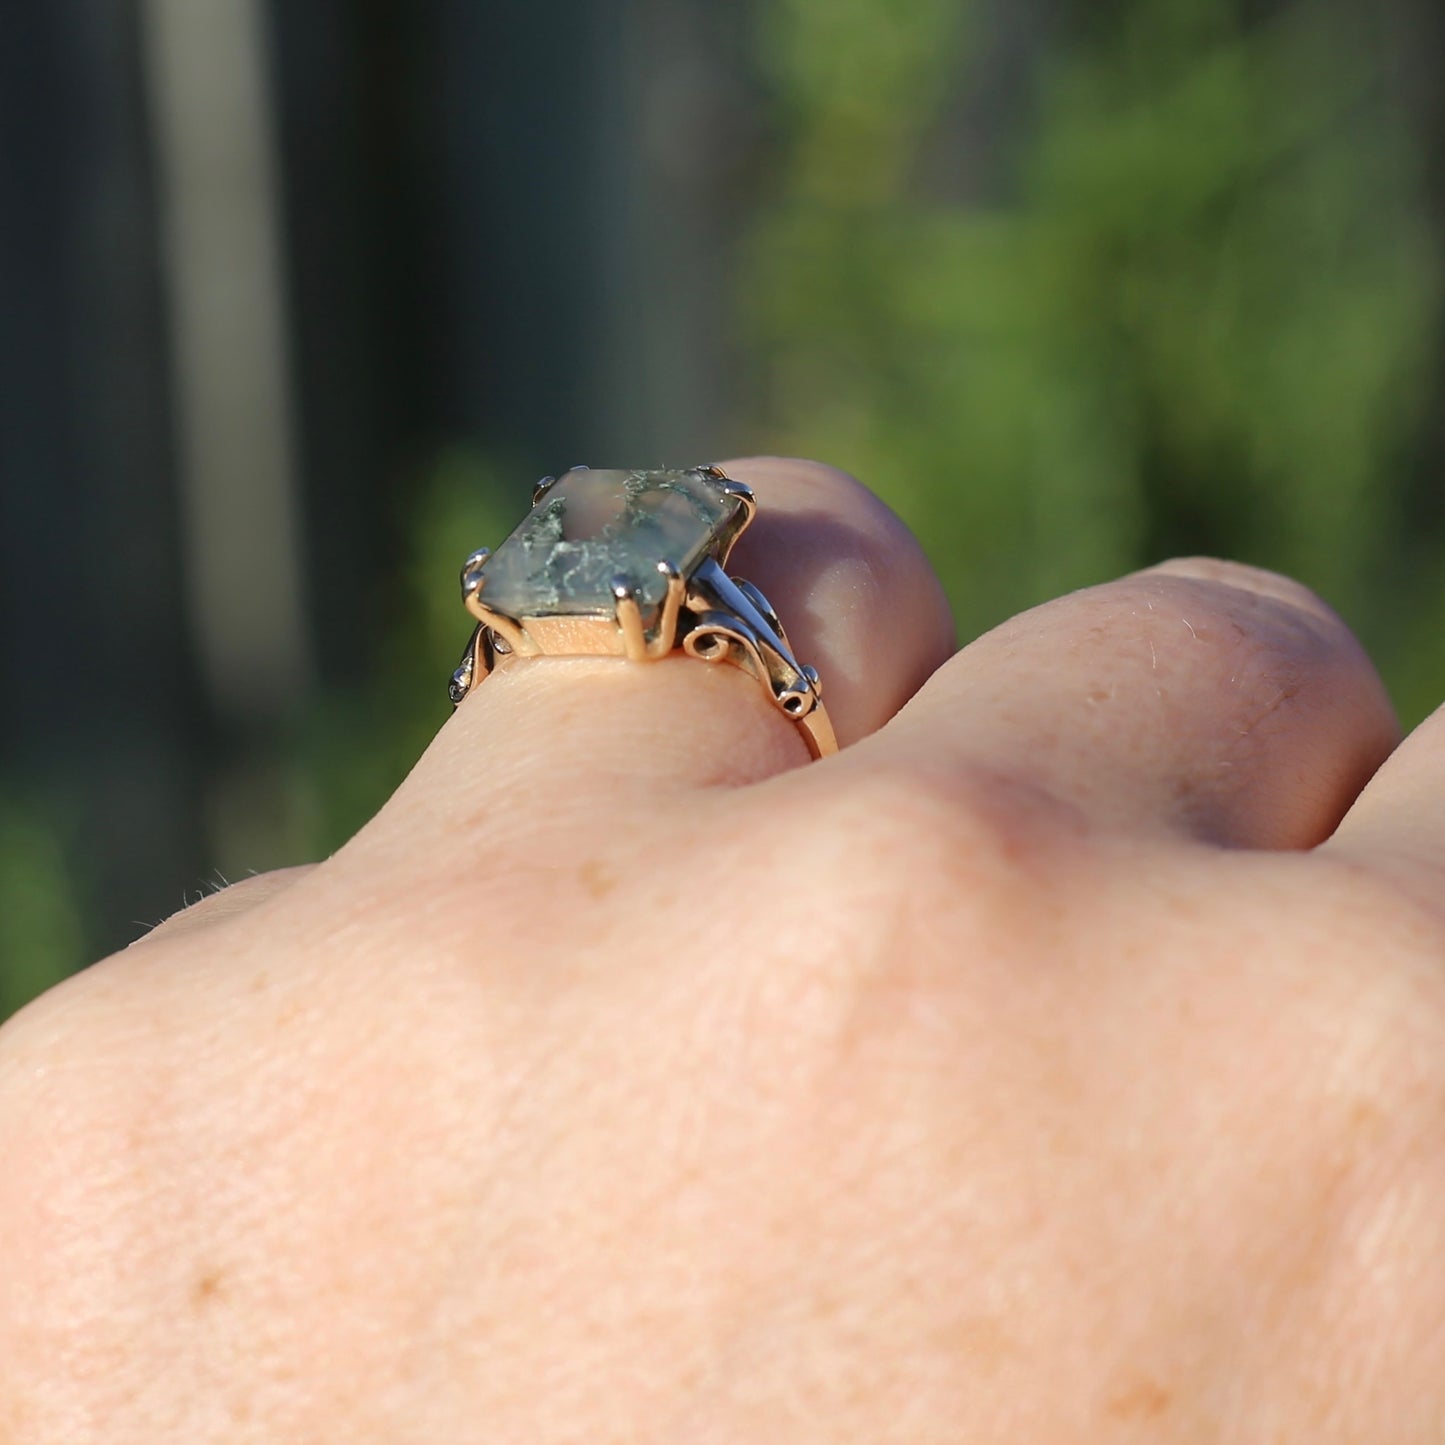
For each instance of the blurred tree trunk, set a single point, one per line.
(100, 714)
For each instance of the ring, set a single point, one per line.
(630, 564)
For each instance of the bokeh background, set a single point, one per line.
(298, 298)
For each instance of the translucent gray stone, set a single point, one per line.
(592, 526)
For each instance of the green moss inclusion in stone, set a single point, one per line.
(592, 526)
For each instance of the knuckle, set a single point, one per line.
(965, 833)
(1224, 611)
(230, 901)
(911, 876)
(1242, 577)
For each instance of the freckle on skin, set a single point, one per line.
(207, 1288)
(596, 878)
(1366, 1118)
(1143, 1401)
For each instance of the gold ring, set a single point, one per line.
(630, 564)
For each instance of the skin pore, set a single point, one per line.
(1064, 1061)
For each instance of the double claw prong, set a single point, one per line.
(637, 645)
(504, 634)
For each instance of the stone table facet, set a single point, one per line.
(592, 526)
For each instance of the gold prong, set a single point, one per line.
(540, 489)
(743, 494)
(629, 619)
(473, 578)
(512, 635)
(483, 658)
(502, 625)
(665, 638)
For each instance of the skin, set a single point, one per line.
(1062, 1062)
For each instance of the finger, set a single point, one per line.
(1399, 819)
(1198, 698)
(851, 584)
(860, 604)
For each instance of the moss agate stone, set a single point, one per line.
(593, 526)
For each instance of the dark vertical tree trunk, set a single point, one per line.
(99, 704)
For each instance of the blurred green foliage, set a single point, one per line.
(41, 934)
(1201, 315)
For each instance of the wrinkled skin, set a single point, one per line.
(1053, 1065)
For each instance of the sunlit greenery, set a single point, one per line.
(41, 938)
(1199, 314)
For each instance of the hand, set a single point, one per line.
(1047, 1067)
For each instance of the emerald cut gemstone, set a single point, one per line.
(593, 526)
